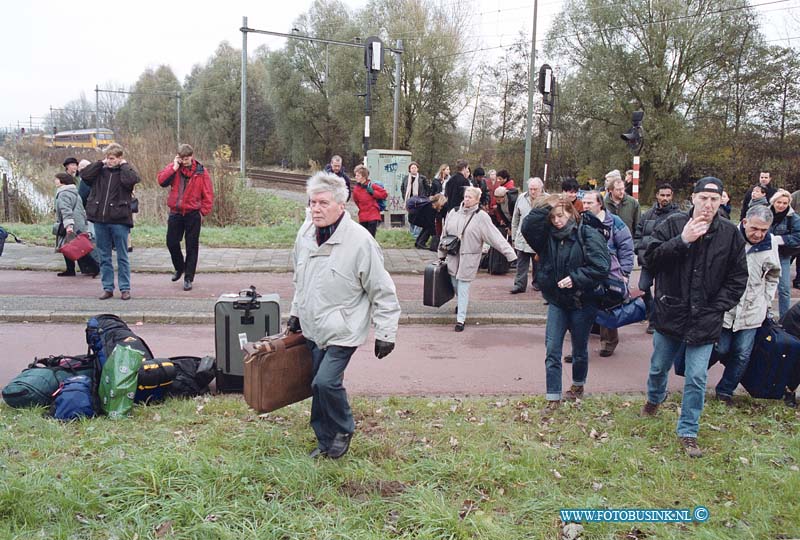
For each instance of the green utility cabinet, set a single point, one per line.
(390, 167)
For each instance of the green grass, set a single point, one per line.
(422, 468)
(257, 236)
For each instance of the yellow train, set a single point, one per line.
(84, 138)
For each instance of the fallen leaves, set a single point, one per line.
(453, 443)
(163, 529)
(600, 437)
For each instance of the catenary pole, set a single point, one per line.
(243, 132)
(529, 127)
(398, 50)
(178, 98)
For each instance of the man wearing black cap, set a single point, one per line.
(698, 259)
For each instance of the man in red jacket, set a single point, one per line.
(366, 195)
(191, 197)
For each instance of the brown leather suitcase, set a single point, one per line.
(437, 287)
(277, 372)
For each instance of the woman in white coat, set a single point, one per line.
(474, 227)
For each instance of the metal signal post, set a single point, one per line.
(373, 61)
(547, 87)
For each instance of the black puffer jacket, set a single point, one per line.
(586, 265)
(696, 283)
(112, 190)
(643, 234)
(454, 191)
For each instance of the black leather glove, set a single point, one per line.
(383, 348)
(293, 325)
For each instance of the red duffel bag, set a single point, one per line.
(76, 248)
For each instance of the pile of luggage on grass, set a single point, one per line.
(118, 370)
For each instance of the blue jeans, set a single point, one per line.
(665, 350)
(579, 323)
(330, 411)
(739, 344)
(462, 295)
(108, 235)
(785, 286)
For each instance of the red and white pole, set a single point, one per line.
(636, 177)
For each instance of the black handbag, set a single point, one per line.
(452, 243)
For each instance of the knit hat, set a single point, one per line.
(83, 164)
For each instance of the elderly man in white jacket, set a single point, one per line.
(741, 323)
(340, 284)
(525, 253)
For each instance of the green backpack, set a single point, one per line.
(36, 384)
(118, 381)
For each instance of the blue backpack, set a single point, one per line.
(75, 398)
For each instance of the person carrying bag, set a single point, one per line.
(71, 226)
(462, 252)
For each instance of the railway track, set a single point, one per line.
(263, 178)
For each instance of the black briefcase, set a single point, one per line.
(437, 288)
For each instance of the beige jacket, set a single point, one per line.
(464, 266)
(764, 271)
(342, 285)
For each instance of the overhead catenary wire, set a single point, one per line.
(630, 27)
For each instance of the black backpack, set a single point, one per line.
(104, 332)
(192, 375)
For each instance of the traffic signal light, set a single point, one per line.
(634, 137)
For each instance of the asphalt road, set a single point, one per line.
(428, 360)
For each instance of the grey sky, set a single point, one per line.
(54, 50)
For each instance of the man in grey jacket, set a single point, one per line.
(740, 323)
(340, 284)
(525, 253)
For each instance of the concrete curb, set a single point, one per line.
(42, 316)
(51, 267)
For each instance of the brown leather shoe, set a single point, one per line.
(551, 407)
(574, 392)
(649, 409)
(690, 447)
(106, 295)
(126, 295)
